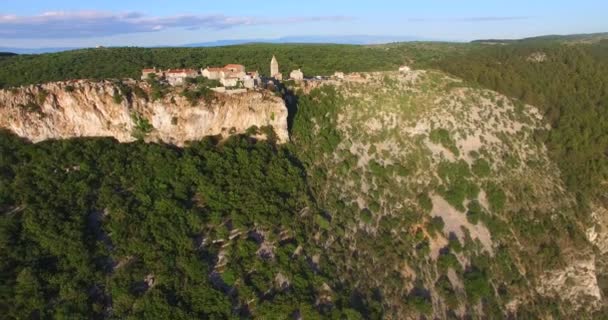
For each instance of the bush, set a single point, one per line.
(442, 137)
(41, 97)
(474, 212)
(193, 96)
(481, 168)
(496, 197)
(425, 202)
(476, 285)
(117, 97)
(366, 216)
(142, 126)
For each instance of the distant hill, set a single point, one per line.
(34, 50)
(7, 54)
(574, 38)
(351, 39)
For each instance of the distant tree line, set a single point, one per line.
(105, 63)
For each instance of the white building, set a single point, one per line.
(297, 75)
(178, 76)
(213, 73)
(229, 82)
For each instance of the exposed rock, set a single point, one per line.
(281, 282)
(537, 57)
(576, 282)
(266, 251)
(86, 108)
(597, 234)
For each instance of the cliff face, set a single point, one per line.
(85, 108)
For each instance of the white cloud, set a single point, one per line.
(82, 24)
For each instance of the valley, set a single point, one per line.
(469, 185)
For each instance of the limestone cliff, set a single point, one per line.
(86, 108)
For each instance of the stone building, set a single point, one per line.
(229, 81)
(297, 75)
(274, 69)
(236, 68)
(228, 75)
(213, 73)
(178, 76)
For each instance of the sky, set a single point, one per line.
(78, 23)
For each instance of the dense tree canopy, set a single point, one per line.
(570, 85)
(92, 228)
(104, 63)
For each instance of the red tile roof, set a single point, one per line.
(148, 70)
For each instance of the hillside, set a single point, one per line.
(567, 39)
(472, 187)
(438, 195)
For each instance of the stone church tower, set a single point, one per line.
(274, 69)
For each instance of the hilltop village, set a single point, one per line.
(234, 78)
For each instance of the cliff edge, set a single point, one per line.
(85, 108)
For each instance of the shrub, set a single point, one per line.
(481, 168)
(446, 261)
(474, 212)
(425, 202)
(496, 197)
(41, 97)
(436, 225)
(366, 216)
(442, 137)
(142, 127)
(140, 93)
(476, 285)
(117, 97)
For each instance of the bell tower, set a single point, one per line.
(274, 68)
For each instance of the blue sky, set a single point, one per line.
(35, 23)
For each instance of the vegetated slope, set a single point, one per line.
(568, 39)
(96, 229)
(569, 84)
(106, 63)
(128, 110)
(438, 199)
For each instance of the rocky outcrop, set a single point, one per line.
(85, 108)
(574, 283)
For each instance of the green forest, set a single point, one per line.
(103, 63)
(570, 86)
(92, 228)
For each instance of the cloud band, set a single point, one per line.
(83, 24)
